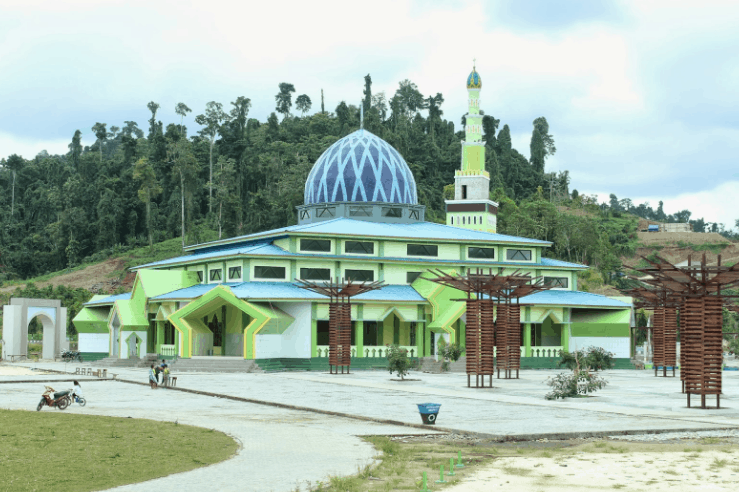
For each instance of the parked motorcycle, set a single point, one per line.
(71, 356)
(52, 398)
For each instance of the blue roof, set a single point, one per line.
(360, 167)
(572, 298)
(290, 291)
(109, 300)
(269, 250)
(342, 226)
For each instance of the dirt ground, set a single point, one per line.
(687, 237)
(730, 254)
(102, 278)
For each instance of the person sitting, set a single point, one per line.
(77, 390)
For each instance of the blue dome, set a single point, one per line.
(360, 167)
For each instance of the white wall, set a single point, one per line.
(94, 342)
(125, 339)
(12, 345)
(295, 342)
(620, 346)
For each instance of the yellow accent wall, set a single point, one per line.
(473, 158)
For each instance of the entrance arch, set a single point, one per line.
(17, 316)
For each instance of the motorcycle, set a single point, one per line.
(71, 356)
(52, 398)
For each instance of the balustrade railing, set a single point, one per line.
(369, 351)
(169, 350)
(381, 351)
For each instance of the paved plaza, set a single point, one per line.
(281, 447)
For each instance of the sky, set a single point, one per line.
(640, 96)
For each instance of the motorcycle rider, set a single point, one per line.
(77, 391)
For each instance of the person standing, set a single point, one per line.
(152, 378)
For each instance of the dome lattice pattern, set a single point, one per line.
(360, 167)
(474, 81)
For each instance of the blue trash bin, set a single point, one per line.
(428, 412)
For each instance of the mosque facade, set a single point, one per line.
(360, 220)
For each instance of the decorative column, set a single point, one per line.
(359, 337)
(527, 339)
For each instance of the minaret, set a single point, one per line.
(472, 207)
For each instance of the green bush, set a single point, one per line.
(397, 361)
(595, 358)
(451, 352)
(565, 385)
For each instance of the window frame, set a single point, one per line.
(257, 276)
(517, 251)
(347, 277)
(240, 269)
(201, 275)
(371, 243)
(470, 255)
(302, 276)
(434, 246)
(215, 272)
(317, 241)
(557, 280)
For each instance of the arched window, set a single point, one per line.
(474, 220)
(452, 221)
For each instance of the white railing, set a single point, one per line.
(381, 351)
(370, 351)
(170, 350)
(546, 351)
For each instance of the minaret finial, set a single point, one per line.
(361, 116)
(474, 63)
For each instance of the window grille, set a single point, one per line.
(519, 254)
(318, 245)
(482, 253)
(423, 250)
(392, 212)
(216, 274)
(315, 274)
(359, 247)
(360, 211)
(556, 282)
(360, 275)
(234, 273)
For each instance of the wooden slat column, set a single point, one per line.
(514, 340)
(339, 336)
(501, 338)
(658, 338)
(472, 340)
(670, 339)
(691, 336)
(712, 348)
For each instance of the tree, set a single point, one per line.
(149, 188)
(323, 109)
(185, 167)
(284, 99)
(489, 129)
(538, 152)
(435, 113)
(153, 107)
(75, 148)
(379, 103)
(101, 133)
(367, 91)
(303, 104)
(15, 163)
(182, 110)
(211, 120)
(541, 125)
(131, 129)
(614, 203)
(224, 186)
(239, 112)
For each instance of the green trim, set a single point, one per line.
(527, 339)
(313, 329)
(359, 337)
(293, 269)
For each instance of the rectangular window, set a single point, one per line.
(556, 282)
(519, 254)
(482, 253)
(200, 275)
(359, 247)
(234, 273)
(411, 277)
(326, 212)
(360, 211)
(423, 250)
(315, 274)
(269, 272)
(360, 275)
(216, 275)
(392, 212)
(319, 245)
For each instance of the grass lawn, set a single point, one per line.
(402, 464)
(52, 450)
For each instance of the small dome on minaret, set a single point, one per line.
(473, 80)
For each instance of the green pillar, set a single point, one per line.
(160, 336)
(527, 339)
(427, 341)
(313, 330)
(359, 337)
(462, 334)
(419, 339)
(565, 337)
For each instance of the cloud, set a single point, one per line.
(30, 148)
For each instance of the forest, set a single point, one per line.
(235, 175)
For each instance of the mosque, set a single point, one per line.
(360, 220)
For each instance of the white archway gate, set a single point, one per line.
(18, 315)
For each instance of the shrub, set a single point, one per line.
(579, 382)
(451, 352)
(397, 361)
(595, 358)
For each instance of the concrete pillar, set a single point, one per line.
(527, 339)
